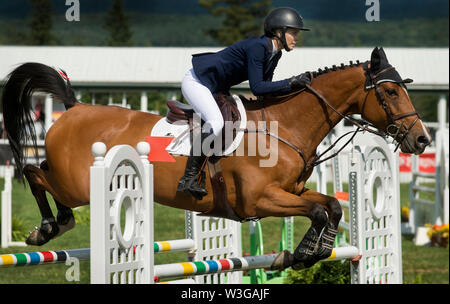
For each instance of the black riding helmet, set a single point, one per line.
(282, 18)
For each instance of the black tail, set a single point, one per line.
(17, 107)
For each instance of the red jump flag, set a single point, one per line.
(342, 195)
(158, 145)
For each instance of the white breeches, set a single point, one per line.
(203, 102)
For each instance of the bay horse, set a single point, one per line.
(372, 89)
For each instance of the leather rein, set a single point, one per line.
(392, 129)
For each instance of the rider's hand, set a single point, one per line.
(300, 81)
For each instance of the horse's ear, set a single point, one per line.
(383, 56)
(375, 59)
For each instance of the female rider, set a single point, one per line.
(252, 59)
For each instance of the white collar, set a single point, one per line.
(274, 49)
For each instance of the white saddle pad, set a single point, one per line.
(181, 145)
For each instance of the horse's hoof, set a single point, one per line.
(282, 261)
(66, 227)
(40, 236)
(37, 238)
(286, 259)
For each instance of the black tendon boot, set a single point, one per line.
(189, 183)
(304, 254)
(323, 249)
(326, 242)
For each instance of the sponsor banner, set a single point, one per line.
(427, 162)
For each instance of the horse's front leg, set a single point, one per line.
(324, 212)
(327, 237)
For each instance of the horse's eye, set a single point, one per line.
(392, 92)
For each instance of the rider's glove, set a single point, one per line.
(299, 82)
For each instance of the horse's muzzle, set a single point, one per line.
(415, 143)
(421, 142)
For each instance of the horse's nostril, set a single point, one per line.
(422, 141)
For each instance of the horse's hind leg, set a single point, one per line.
(50, 228)
(64, 219)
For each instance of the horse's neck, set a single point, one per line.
(306, 120)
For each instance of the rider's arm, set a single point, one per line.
(255, 60)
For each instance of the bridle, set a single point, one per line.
(392, 129)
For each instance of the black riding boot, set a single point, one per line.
(188, 183)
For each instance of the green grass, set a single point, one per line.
(420, 264)
(425, 265)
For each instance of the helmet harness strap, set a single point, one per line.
(282, 39)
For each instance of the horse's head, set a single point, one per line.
(387, 105)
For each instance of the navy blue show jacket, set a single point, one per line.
(248, 59)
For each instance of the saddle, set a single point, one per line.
(180, 112)
(183, 112)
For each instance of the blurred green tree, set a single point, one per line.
(241, 18)
(116, 23)
(41, 23)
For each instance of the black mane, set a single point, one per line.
(335, 68)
